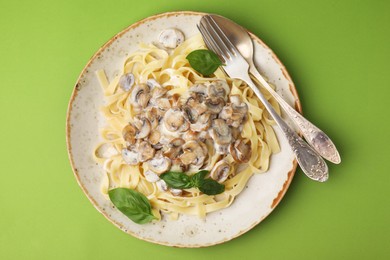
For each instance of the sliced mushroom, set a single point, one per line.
(203, 123)
(129, 133)
(140, 95)
(188, 158)
(178, 166)
(159, 164)
(221, 149)
(215, 105)
(220, 132)
(175, 100)
(145, 151)
(176, 192)
(240, 151)
(154, 137)
(130, 156)
(174, 148)
(198, 91)
(153, 116)
(171, 38)
(163, 104)
(190, 135)
(157, 91)
(174, 120)
(162, 185)
(143, 127)
(126, 81)
(152, 83)
(217, 89)
(220, 171)
(196, 105)
(193, 153)
(191, 114)
(151, 176)
(233, 117)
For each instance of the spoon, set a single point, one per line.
(313, 135)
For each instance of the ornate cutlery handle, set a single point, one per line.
(310, 162)
(313, 135)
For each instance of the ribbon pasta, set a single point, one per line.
(173, 72)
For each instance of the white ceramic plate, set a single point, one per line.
(263, 192)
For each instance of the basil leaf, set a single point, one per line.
(211, 187)
(177, 180)
(198, 177)
(205, 62)
(133, 204)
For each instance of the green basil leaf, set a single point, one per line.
(198, 177)
(177, 180)
(133, 204)
(205, 62)
(211, 187)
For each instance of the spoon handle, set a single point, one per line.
(310, 162)
(313, 135)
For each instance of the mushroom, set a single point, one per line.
(203, 123)
(126, 81)
(145, 151)
(196, 104)
(190, 135)
(198, 91)
(193, 153)
(220, 171)
(159, 164)
(221, 149)
(191, 114)
(153, 116)
(215, 105)
(157, 92)
(232, 117)
(219, 88)
(176, 192)
(240, 151)
(220, 132)
(154, 137)
(143, 127)
(178, 166)
(174, 120)
(130, 156)
(175, 100)
(174, 148)
(152, 83)
(163, 104)
(129, 133)
(171, 38)
(140, 95)
(162, 185)
(151, 176)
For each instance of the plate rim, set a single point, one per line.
(68, 127)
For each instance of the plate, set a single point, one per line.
(264, 191)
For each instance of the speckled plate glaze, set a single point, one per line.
(263, 192)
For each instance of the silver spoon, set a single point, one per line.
(313, 135)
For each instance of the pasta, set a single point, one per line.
(172, 71)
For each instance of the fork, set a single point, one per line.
(237, 67)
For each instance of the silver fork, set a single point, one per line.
(236, 66)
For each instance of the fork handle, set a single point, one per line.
(313, 135)
(308, 159)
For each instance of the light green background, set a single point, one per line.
(337, 53)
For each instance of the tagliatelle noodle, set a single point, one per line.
(173, 72)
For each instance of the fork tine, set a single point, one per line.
(215, 38)
(210, 40)
(210, 43)
(231, 50)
